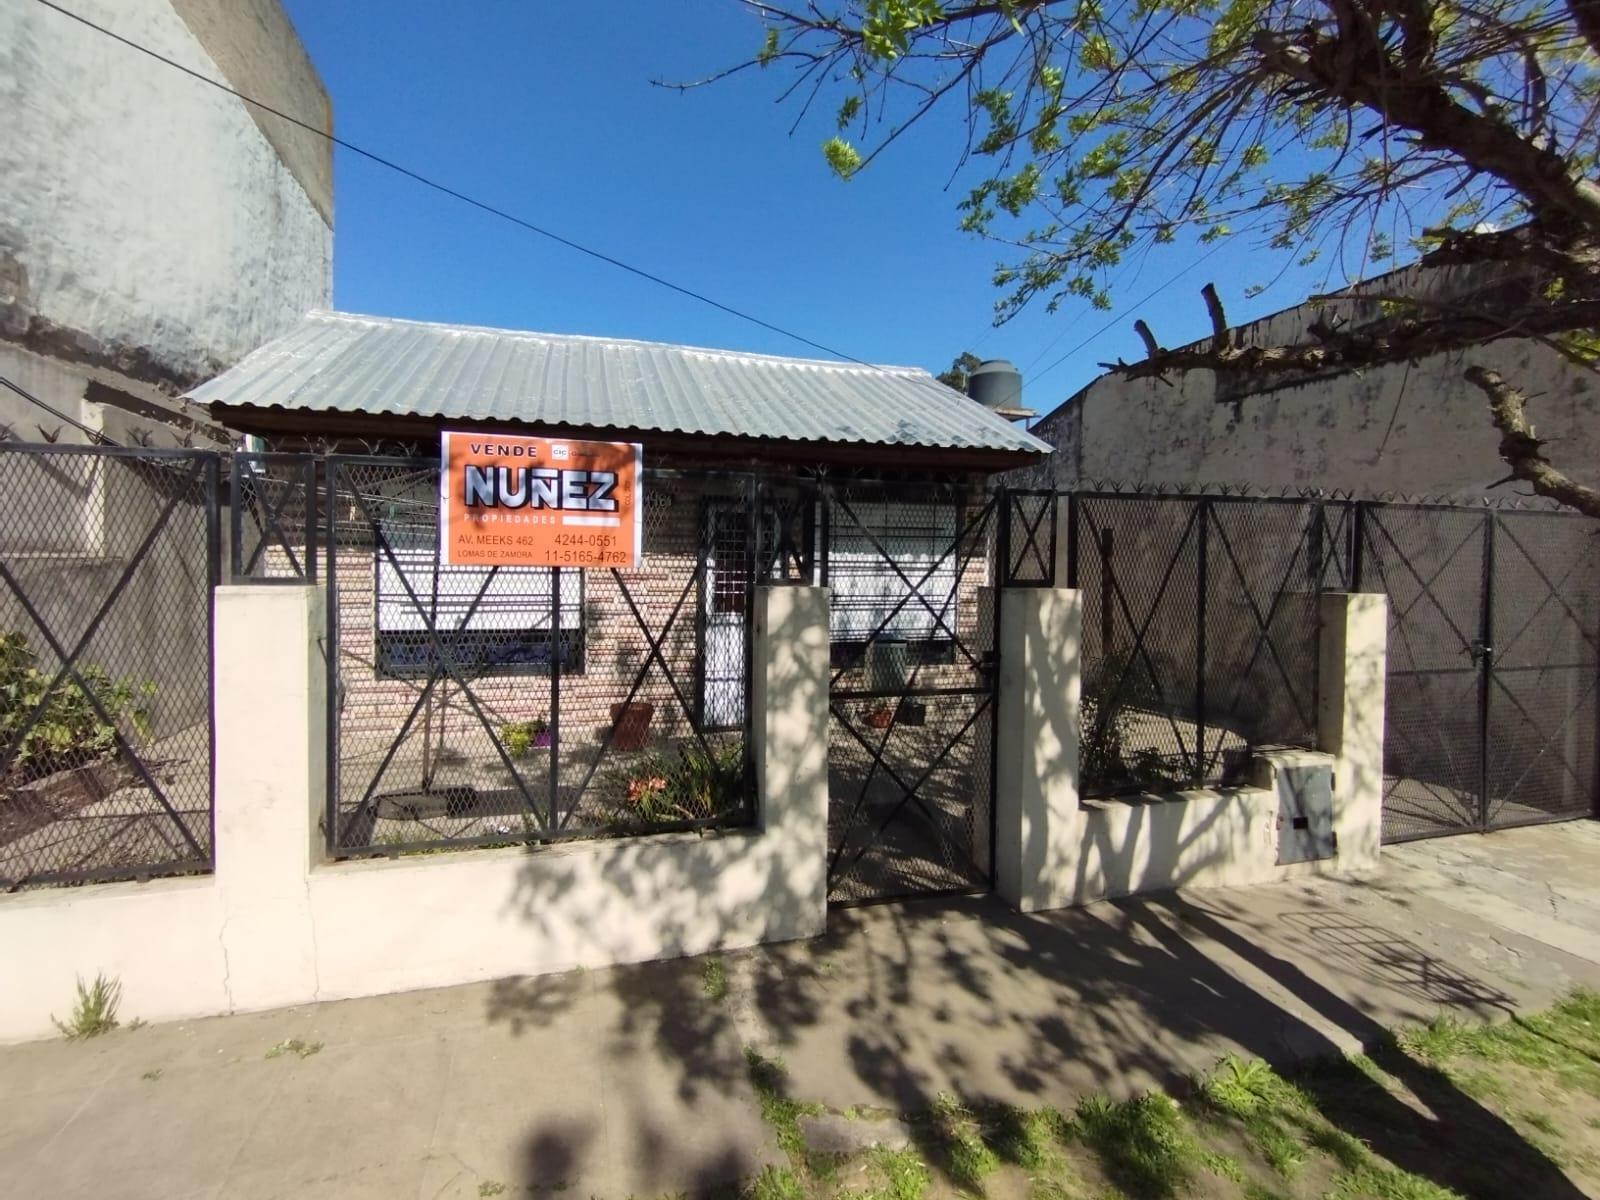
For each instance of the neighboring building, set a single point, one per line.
(153, 230)
(1408, 427)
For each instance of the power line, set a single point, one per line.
(94, 435)
(457, 195)
(1126, 313)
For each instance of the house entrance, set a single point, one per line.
(912, 688)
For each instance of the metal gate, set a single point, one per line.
(912, 687)
(1494, 661)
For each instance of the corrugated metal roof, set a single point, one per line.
(340, 362)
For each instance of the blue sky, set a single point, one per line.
(548, 110)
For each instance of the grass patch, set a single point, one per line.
(714, 979)
(1027, 1138)
(151, 1075)
(296, 1047)
(956, 1140)
(905, 1176)
(1376, 1182)
(491, 1187)
(779, 1110)
(1223, 1166)
(1272, 1111)
(777, 1183)
(94, 1012)
(1142, 1144)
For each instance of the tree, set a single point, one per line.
(1463, 129)
(961, 368)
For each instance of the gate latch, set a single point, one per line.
(1480, 651)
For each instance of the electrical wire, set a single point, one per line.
(445, 189)
(1125, 313)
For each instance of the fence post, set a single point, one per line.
(1037, 820)
(270, 708)
(1201, 566)
(789, 725)
(1353, 653)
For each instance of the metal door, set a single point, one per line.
(1543, 668)
(1433, 564)
(912, 688)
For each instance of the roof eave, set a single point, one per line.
(333, 425)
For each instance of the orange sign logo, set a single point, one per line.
(512, 501)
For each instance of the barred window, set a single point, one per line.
(507, 631)
(866, 545)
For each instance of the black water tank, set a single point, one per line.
(996, 384)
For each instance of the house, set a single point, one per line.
(1408, 427)
(873, 480)
(154, 230)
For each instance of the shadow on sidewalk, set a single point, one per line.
(897, 1004)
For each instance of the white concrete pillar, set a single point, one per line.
(790, 734)
(271, 781)
(1038, 828)
(1350, 713)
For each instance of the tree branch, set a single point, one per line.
(1522, 450)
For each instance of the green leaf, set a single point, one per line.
(843, 158)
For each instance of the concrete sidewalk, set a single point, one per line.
(632, 1082)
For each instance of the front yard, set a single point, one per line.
(1451, 1109)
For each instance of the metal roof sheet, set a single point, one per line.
(341, 362)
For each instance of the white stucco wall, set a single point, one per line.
(143, 214)
(1415, 428)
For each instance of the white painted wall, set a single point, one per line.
(139, 208)
(1056, 849)
(1415, 428)
(275, 926)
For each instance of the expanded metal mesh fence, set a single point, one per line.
(1200, 636)
(272, 518)
(1544, 669)
(912, 691)
(1494, 620)
(485, 706)
(107, 559)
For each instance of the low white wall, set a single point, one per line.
(1194, 839)
(161, 940)
(1055, 850)
(274, 926)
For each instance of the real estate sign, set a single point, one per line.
(513, 501)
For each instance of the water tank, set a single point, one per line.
(996, 385)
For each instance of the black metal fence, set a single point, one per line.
(911, 699)
(476, 706)
(1494, 661)
(486, 706)
(107, 560)
(1201, 632)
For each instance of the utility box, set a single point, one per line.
(1303, 782)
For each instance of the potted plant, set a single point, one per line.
(519, 737)
(67, 758)
(630, 724)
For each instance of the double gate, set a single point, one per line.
(1494, 662)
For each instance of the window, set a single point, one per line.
(508, 632)
(868, 591)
